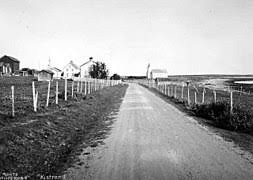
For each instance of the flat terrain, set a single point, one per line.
(46, 143)
(151, 139)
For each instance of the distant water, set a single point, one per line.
(243, 82)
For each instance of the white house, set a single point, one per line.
(57, 72)
(70, 70)
(84, 68)
(158, 73)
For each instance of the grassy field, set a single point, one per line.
(23, 94)
(46, 143)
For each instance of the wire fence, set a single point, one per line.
(20, 95)
(195, 94)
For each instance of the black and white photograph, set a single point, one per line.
(126, 89)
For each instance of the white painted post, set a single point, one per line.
(203, 95)
(231, 102)
(36, 100)
(166, 92)
(48, 93)
(12, 98)
(34, 96)
(195, 97)
(188, 93)
(56, 93)
(72, 89)
(66, 89)
(214, 96)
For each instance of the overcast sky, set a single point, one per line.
(183, 36)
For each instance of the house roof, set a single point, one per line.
(159, 71)
(11, 58)
(74, 65)
(54, 69)
(47, 71)
(86, 62)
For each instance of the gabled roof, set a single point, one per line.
(159, 71)
(54, 69)
(47, 71)
(74, 65)
(86, 62)
(11, 58)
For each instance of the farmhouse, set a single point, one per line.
(8, 65)
(158, 73)
(70, 70)
(45, 75)
(84, 68)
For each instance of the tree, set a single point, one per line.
(115, 77)
(98, 70)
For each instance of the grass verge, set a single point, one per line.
(45, 144)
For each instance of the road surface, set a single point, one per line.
(151, 139)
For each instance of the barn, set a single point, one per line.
(9, 65)
(158, 73)
(45, 75)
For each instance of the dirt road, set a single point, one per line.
(151, 139)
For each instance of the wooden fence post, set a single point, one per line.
(203, 95)
(188, 93)
(231, 102)
(48, 93)
(195, 97)
(66, 89)
(72, 89)
(12, 98)
(56, 93)
(36, 100)
(214, 96)
(34, 97)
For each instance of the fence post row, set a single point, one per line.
(88, 85)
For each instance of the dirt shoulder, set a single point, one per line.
(40, 145)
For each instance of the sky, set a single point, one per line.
(183, 36)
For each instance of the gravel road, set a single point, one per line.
(151, 139)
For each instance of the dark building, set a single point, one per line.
(45, 75)
(8, 65)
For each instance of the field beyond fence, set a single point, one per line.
(229, 108)
(18, 96)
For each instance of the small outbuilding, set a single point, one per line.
(158, 73)
(45, 75)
